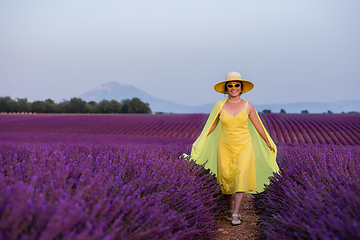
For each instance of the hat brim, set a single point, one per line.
(246, 86)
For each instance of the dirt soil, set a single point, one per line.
(247, 229)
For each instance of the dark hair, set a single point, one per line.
(234, 81)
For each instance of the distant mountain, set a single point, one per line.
(118, 92)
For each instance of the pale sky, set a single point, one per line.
(293, 51)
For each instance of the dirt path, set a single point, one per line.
(248, 227)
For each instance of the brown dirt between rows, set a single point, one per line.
(248, 228)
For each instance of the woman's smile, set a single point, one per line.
(234, 92)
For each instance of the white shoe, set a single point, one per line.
(234, 223)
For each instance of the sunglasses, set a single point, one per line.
(237, 85)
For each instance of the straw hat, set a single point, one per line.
(234, 76)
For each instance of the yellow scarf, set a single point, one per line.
(204, 149)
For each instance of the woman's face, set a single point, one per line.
(233, 88)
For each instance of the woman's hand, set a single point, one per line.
(269, 146)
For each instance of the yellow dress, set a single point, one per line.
(235, 154)
(204, 151)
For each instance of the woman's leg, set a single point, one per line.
(230, 204)
(238, 200)
(230, 201)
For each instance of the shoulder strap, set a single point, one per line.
(246, 105)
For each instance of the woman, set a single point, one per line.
(235, 146)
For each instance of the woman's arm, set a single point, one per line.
(257, 124)
(216, 121)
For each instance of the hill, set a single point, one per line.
(118, 92)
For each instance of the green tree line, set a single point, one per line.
(75, 105)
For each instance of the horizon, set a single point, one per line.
(119, 100)
(96, 88)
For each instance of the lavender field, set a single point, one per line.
(121, 177)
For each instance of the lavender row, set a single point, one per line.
(284, 128)
(23, 137)
(89, 191)
(169, 125)
(315, 196)
(314, 128)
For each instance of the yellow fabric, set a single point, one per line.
(204, 150)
